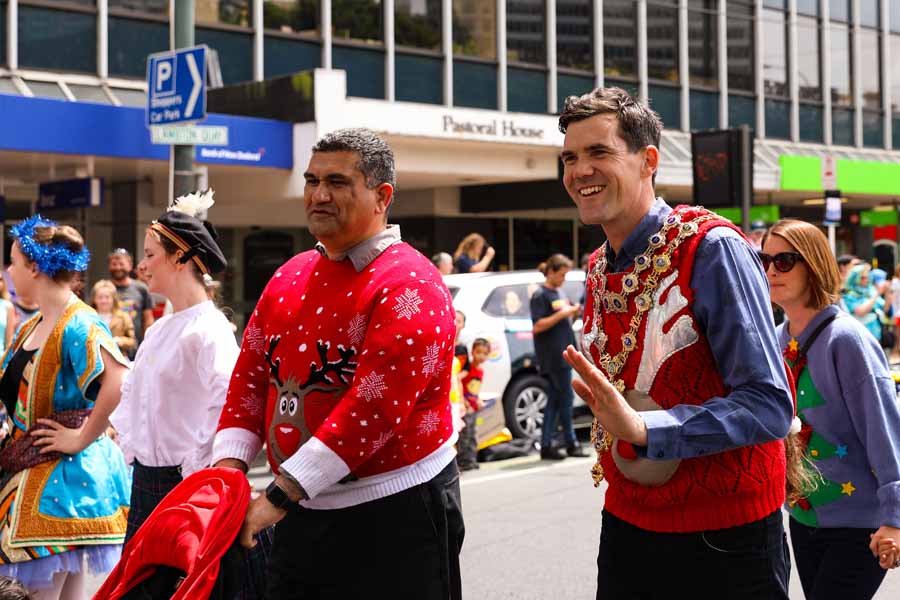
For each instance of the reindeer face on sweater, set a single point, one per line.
(297, 402)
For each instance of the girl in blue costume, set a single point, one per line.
(64, 487)
(845, 529)
(863, 301)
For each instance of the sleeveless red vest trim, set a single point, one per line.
(709, 492)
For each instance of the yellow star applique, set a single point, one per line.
(793, 345)
(847, 488)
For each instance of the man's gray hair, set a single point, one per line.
(376, 160)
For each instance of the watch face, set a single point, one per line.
(277, 496)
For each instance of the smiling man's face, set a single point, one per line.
(603, 177)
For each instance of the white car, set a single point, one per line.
(497, 307)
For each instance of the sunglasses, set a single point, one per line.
(783, 261)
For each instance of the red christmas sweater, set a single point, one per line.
(345, 375)
(708, 492)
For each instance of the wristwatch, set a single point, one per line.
(277, 496)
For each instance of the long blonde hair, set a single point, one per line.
(106, 284)
(468, 244)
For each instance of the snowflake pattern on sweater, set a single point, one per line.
(352, 359)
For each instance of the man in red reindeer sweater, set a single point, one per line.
(344, 374)
(682, 371)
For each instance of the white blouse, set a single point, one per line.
(172, 398)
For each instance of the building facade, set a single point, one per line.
(466, 92)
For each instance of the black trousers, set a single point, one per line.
(404, 547)
(747, 562)
(149, 485)
(835, 562)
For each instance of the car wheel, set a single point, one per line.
(524, 403)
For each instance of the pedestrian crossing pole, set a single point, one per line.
(182, 179)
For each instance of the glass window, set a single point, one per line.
(620, 38)
(842, 126)
(475, 29)
(285, 55)
(575, 35)
(895, 77)
(130, 97)
(64, 2)
(154, 7)
(774, 57)
(511, 300)
(841, 65)
(89, 93)
(418, 24)
(895, 16)
(360, 20)
(811, 128)
(130, 41)
(43, 32)
(235, 52)
(474, 84)
(702, 45)
(873, 129)
(704, 110)
(781, 4)
(741, 111)
(526, 90)
(662, 43)
(46, 89)
(666, 101)
(740, 54)
(870, 13)
(808, 7)
(778, 119)
(870, 77)
(224, 12)
(808, 63)
(571, 85)
(525, 42)
(365, 70)
(292, 16)
(419, 78)
(839, 10)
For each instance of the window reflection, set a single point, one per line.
(156, 7)
(574, 34)
(808, 62)
(702, 43)
(359, 20)
(870, 13)
(774, 51)
(292, 16)
(525, 32)
(808, 7)
(740, 53)
(840, 65)
(870, 76)
(417, 24)
(662, 42)
(839, 10)
(620, 38)
(225, 12)
(475, 28)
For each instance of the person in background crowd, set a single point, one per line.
(459, 346)
(850, 434)
(551, 314)
(895, 311)
(467, 456)
(681, 368)
(7, 317)
(757, 231)
(61, 379)
(443, 262)
(172, 399)
(343, 374)
(468, 256)
(846, 262)
(134, 298)
(25, 307)
(862, 300)
(106, 303)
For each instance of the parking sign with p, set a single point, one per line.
(165, 77)
(176, 86)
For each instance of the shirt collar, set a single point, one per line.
(636, 242)
(362, 254)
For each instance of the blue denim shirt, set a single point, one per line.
(733, 310)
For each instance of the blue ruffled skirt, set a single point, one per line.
(38, 573)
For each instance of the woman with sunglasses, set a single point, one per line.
(863, 301)
(850, 434)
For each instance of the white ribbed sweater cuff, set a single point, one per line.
(236, 442)
(316, 467)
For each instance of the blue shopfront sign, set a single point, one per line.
(85, 192)
(176, 86)
(57, 126)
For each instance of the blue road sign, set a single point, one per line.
(71, 193)
(176, 86)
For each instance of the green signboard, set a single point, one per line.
(804, 174)
(769, 213)
(876, 218)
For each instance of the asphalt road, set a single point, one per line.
(532, 530)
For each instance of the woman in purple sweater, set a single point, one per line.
(846, 532)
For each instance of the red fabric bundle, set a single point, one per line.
(190, 530)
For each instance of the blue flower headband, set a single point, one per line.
(50, 259)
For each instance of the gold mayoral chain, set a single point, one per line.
(616, 302)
